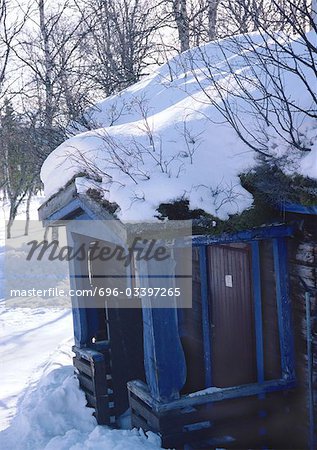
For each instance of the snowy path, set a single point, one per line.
(28, 340)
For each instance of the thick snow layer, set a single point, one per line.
(54, 416)
(162, 139)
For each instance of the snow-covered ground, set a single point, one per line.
(29, 338)
(41, 405)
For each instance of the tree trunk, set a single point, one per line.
(314, 13)
(212, 19)
(182, 23)
(48, 64)
(9, 225)
(12, 214)
(27, 213)
(47, 229)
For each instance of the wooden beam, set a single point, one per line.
(257, 296)
(203, 263)
(269, 232)
(141, 390)
(298, 208)
(283, 308)
(164, 359)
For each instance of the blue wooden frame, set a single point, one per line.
(277, 235)
(203, 264)
(141, 390)
(257, 296)
(267, 232)
(83, 319)
(283, 309)
(299, 209)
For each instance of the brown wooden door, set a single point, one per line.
(232, 317)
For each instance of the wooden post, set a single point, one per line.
(310, 373)
(164, 359)
(283, 308)
(257, 295)
(85, 320)
(203, 262)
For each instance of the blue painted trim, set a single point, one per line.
(85, 320)
(65, 210)
(203, 263)
(310, 359)
(164, 360)
(169, 277)
(284, 309)
(141, 390)
(92, 323)
(257, 296)
(298, 208)
(80, 326)
(270, 232)
(70, 208)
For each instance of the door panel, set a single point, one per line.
(232, 317)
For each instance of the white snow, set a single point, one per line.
(29, 338)
(161, 139)
(309, 163)
(53, 416)
(206, 391)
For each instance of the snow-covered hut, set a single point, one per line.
(236, 370)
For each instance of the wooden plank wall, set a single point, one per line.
(302, 250)
(272, 356)
(192, 333)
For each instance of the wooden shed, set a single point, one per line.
(239, 368)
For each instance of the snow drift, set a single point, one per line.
(163, 139)
(54, 416)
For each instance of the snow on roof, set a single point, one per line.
(162, 139)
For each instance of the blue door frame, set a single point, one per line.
(277, 234)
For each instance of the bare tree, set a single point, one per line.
(242, 16)
(5, 41)
(253, 87)
(182, 23)
(10, 27)
(19, 169)
(54, 88)
(200, 21)
(212, 18)
(195, 21)
(314, 12)
(45, 55)
(119, 47)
